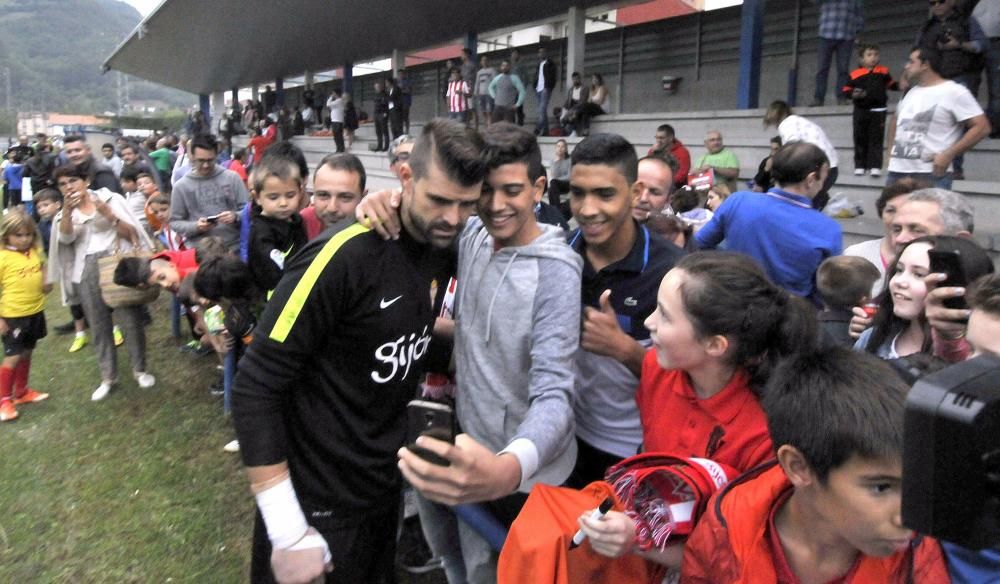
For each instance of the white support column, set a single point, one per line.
(218, 107)
(576, 23)
(398, 62)
(309, 79)
(254, 94)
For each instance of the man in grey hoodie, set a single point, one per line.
(209, 199)
(517, 331)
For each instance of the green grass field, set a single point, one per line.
(132, 489)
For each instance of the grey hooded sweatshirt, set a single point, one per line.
(516, 335)
(196, 196)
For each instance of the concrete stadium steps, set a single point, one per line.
(376, 163)
(744, 133)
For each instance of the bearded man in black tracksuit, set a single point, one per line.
(319, 402)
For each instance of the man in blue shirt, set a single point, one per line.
(779, 228)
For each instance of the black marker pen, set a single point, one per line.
(601, 511)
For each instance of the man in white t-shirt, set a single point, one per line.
(930, 120)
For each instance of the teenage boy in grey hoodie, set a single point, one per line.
(517, 331)
(209, 199)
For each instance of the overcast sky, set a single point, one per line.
(144, 6)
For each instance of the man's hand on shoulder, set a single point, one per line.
(380, 211)
(476, 473)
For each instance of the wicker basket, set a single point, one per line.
(116, 296)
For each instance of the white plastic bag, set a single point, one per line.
(842, 207)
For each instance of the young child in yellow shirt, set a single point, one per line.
(23, 287)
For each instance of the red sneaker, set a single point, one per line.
(30, 396)
(7, 411)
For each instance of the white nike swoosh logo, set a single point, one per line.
(387, 303)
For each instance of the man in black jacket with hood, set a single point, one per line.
(79, 155)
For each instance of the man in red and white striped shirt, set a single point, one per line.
(458, 97)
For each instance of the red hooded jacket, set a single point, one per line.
(731, 543)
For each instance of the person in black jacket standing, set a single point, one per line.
(395, 109)
(381, 116)
(79, 155)
(545, 82)
(319, 402)
(39, 168)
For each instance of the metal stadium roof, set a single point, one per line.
(204, 47)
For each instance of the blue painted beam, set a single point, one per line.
(751, 41)
(205, 105)
(472, 43)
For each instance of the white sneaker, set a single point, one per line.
(859, 172)
(876, 172)
(101, 392)
(145, 380)
(233, 446)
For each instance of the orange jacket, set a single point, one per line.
(537, 547)
(730, 543)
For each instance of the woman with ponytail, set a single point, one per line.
(719, 328)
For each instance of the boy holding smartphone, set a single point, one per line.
(517, 332)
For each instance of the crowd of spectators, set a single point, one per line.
(707, 357)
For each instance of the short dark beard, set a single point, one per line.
(421, 230)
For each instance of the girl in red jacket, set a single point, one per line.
(719, 326)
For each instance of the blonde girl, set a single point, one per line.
(23, 286)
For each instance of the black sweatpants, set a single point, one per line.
(337, 128)
(363, 547)
(396, 122)
(11, 197)
(869, 133)
(382, 132)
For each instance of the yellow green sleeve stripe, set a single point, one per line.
(297, 299)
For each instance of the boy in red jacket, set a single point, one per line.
(829, 509)
(868, 89)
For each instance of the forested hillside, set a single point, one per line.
(55, 49)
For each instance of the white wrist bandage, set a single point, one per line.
(313, 540)
(283, 516)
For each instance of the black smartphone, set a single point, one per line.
(950, 262)
(212, 219)
(428, 418)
